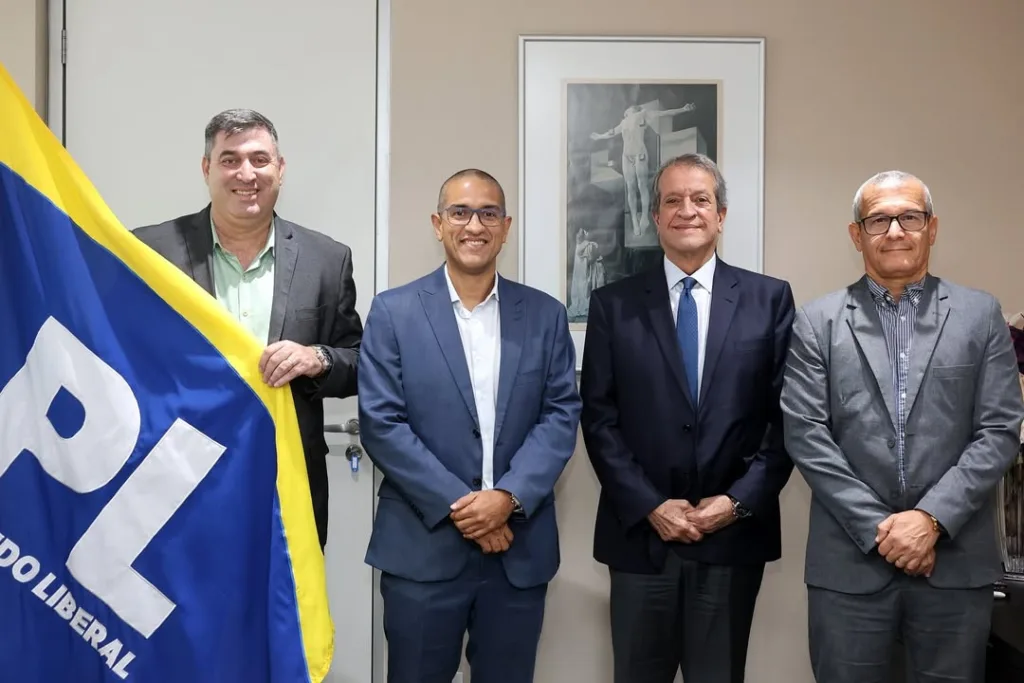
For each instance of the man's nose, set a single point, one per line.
(246, 172)
(895, 229)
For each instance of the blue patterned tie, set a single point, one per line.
(686, 332)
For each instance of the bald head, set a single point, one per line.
(442, 196)
(888, 179)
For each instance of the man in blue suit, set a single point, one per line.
(682, 372)
(468, 405)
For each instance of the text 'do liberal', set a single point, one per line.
(101, 559)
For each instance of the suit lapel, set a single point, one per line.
(724, 296)
(867, 330)
(933, 309)
(437, 304)
(199, 246)
(659, 313)
(286, 254)
(510, 308)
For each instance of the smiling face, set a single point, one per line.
(472, 225)
(244, 173)
(896, 256)
(688, 217)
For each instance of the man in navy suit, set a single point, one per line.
(468, 405)
(682, 372)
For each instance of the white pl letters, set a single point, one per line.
(101, 559)
(90, 458)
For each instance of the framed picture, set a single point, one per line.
(597, 118)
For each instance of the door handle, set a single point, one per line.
(350, 427)
(354, 454)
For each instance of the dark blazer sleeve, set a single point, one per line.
(343, 338)
(771, 467)
(632, 494)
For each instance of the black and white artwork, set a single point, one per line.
(617, 136)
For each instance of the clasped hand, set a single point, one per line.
(482, 516)
(679, 520)
(907, 540)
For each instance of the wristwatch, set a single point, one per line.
(517, 507)
(325, 358)
(939, 529)
(739, 510)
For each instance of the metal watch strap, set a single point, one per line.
(738, 509)
(323, 357)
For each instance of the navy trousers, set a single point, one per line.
(425, 624)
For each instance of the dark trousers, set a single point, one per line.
(943, 632)
(693, 616)
(425, 623)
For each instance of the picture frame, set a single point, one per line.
(597, 117)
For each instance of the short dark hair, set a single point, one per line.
(469, 173)
(233, 121)
(693, 160)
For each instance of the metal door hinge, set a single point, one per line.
(63, 46)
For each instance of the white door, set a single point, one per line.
(141, 81)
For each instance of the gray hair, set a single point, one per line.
(890, 178)
(234, 121)
(700, 161)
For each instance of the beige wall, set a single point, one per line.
(23, 47)
(929, 86)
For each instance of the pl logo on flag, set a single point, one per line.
(101, 559)
(155, 515)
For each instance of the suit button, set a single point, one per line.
(687, 428)
(892, 443)
(477, 482)
(476, 433)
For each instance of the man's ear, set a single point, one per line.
(856, 236)
(435, 220)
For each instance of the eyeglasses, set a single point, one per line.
(490, 216)
(910, 221)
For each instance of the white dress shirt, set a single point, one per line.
(480, 330)
(701, 293)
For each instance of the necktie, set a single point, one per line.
(686, 332)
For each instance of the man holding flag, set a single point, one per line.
(155, 514)
(290, 287)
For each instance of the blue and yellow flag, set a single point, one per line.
(155, 516)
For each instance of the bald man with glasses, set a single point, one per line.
(468, 405)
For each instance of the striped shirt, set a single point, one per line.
(898, 325)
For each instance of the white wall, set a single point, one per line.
(23, 47)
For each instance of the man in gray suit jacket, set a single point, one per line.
(902, 412)
(292, 288)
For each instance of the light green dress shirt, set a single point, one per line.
(247, 294)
